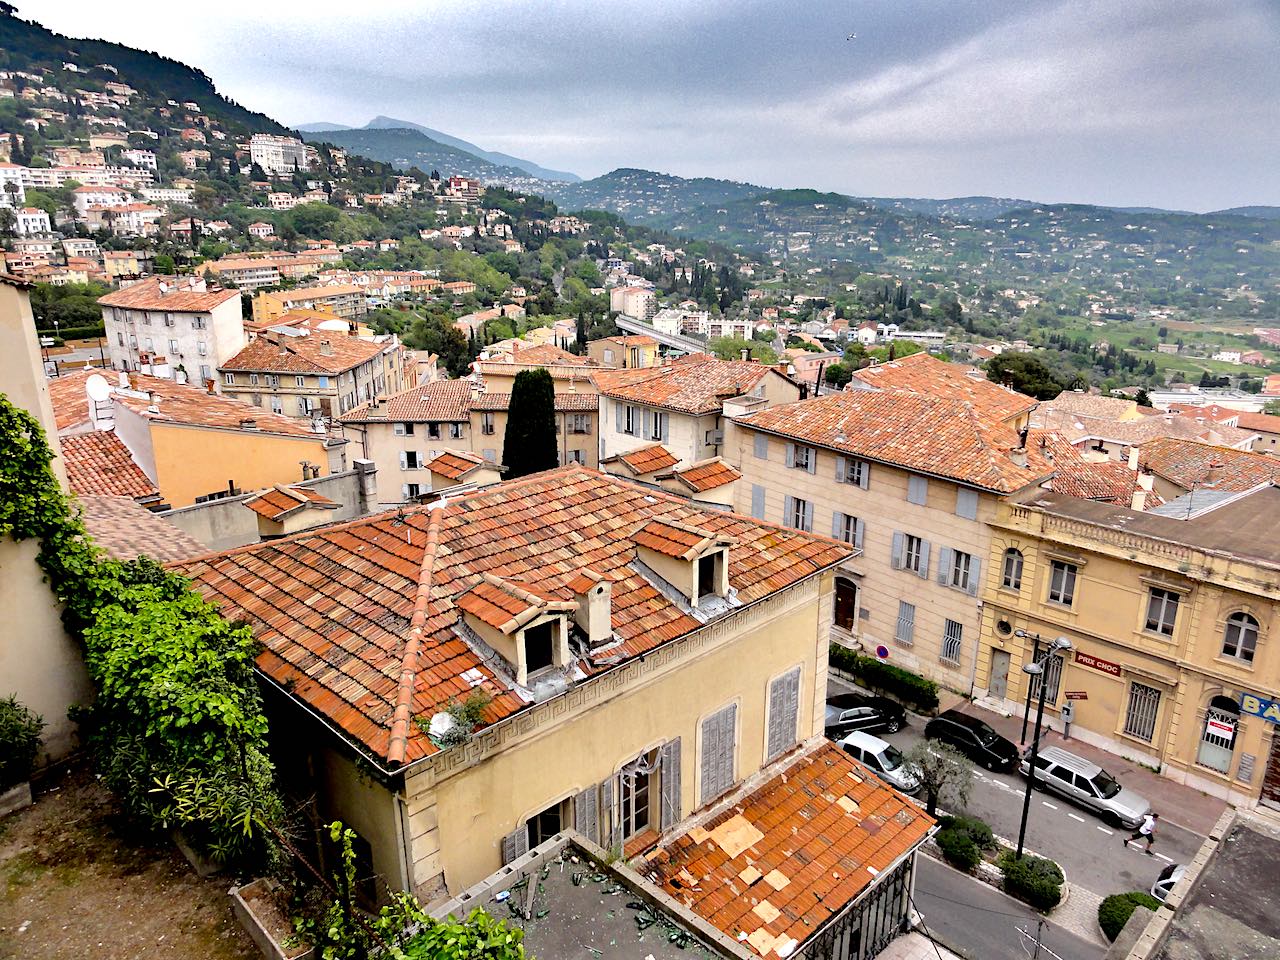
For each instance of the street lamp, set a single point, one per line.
(1032, 670)
(1035, 655)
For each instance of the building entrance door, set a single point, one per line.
(1270, 796)
(998, 685)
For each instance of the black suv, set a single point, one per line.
(975, 739)
(852, 712)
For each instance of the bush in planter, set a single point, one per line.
(894, 681)
(976, 830)
(958, 848)
(19, 742)
(1115, 910)
(1034, 880)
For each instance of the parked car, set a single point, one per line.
(847, 712)
(975, 739)
(1167, 880)
(1088, 785)
(884, 759)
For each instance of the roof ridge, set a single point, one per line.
(399, 742)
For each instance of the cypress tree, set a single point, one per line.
(529, 444)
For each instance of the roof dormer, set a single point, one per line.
(527, 625)
(693, 560)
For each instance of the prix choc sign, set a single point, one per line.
(1097, 663)
(1263, 707)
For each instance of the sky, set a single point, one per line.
(1165, 103)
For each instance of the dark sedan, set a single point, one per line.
(975, 739)
(858, 712)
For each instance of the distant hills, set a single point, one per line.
(405, 148)
(501, 160)
(1260, 213)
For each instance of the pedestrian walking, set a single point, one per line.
(1145, 832)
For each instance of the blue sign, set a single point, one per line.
(882, 652)
(1263, 707)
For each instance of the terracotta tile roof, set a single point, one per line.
(70, 402)
(1079, 427)
(456, 464)
(1090, 405)
(507, 605)
(679, 540)
(1259, 422)
(146, 295)
(777, 862)
(696, 384)
(100, 463)
(1209, 411)
(438, 400)
(347, 611)
(940, 436)
(646, 459)
(1190, 465)
(565, 402)
(1108, 482)
(126, 530)
(275, 352)
(924, 374)
(280, 501)
(549, 353)
(704, 475)
(632, 340)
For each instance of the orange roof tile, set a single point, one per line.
(704, 475)
(100, 463)
(696, 384)
(776, 862)
(677, 540)
(274, 352)
(646, 459)
(1191, 465)
(1259, 422)
(347, 612)
(508, 605)
(927, 375)
(565, 402)
(456, 464)
(146, 295)
(126, 529)
(1110, 481)
(279, 501)
(437, 400)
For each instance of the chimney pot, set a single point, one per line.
(595, 609)
(1019, 456)
(326, 348)
(152, 405)
(248, 423)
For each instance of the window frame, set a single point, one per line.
(1065, 592)
(1164, 620)
(1012, 580)
(960, 575)
(912, 559)
(1239, 617)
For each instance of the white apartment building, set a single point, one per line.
(98, 196)
(638, 302)
(283, 201)
(81, 247)
(140, 158)
(31, 220)
(192, 326)
(181, 195)
(277, 154)
(13, 194)
(675, 320)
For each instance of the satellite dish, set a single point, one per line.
(97, 388)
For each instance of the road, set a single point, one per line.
(1089, 851)
(979, 922)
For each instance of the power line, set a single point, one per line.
(962, 903)
(923, 926)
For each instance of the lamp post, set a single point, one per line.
(1035, 655)
(1036, 669)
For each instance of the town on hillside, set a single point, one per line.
(469, 560)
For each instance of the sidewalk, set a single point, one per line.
(915, 946)
(1180, 805)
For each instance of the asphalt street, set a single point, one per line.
(979, 922)
(1090, 852)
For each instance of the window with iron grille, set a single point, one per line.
(1140, 716)
(1052, 678)
(905, 630)
(1062, 582)
(1162, 611)
(1012, 569)
(951, 635)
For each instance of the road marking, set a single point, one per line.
(1074, 817)
(1109, 833)
(1163, 857)
(1051, 806)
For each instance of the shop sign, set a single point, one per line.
(1220, 727)
(1077, 694)
(1097, 663)
(1263, 707)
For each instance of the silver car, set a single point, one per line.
(1088, 785)
(1167, 880)
(884, 759)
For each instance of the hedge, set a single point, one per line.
(19, 742)
(1033, 880)
(962, 840)
(977, 830)
(901, 684)
(1115, 910)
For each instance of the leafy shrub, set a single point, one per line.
(885, 678)
(958, 848)
(1033, 880)
(975, 829)
(19, 742)
(1115, 910)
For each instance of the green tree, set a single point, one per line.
(730, 348)
(1025, 374)
(838, 375)
(944, 772)
(1141, 398)
(164, 263)
(530, 441)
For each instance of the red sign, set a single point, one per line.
(1220, 728)
(1077, 694)
(1106, 666)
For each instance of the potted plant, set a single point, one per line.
(19, 745)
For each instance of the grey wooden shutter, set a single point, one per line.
(842, 472)
(975, 576)
(666, 426)
(966, 503)
(586, 814)
(788, 510)
(924, 559)
(944, 566)
(917, 490)
(718, 750)
(757, 501)
(859, 530)
(669, 774)
(837, 523)
(647, 424)
(610, 822)
(515, 844)
(813, 460)
(784, 709)
(404, 460)
(761, 446)
(617, 416)
(864, 475)
(791, 454)
(808, 516)
(899, 542)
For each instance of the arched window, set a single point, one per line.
(1218, 737)
(1240, 638)
(1012, 569)
(846, 614)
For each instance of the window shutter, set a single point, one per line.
(917, 490)
(757, 501)
(924, 559)
(791, 454)
(784, 706)
(859, 528)
(841, 470)
(975, 576)
(966, 503)
(761, 446)
(788, 510)
(837, 524)
(808, 516)
(586, 814)
(617, 415)
(899, 542)
(404, 460)
(718, 749)
(666, 425)
(647, 421)
(813, 460)
(669, 774)
(944, 566)
(610, 828)
(864, 481)
(515, 844)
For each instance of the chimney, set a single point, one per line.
(248, 423)
(1019, 456)
(211, 386)
(153, 406)
(594, 596)
(1133, 459)
(326, 348)
(1138, 501)
(123, 380)
(746, 353)
(280, 342)
(1215, 472)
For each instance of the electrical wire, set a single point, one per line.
(923, 926)
(970, 906)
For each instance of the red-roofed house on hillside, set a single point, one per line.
(909, 479)
(638, 658)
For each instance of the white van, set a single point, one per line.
(884, 759)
